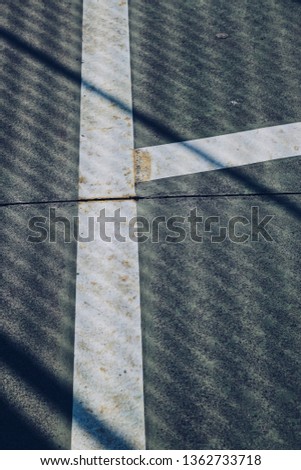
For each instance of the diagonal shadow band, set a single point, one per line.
(162, 130)
(39, 378)
(58, 394)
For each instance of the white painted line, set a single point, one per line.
(242, 148)
(108, 411)
(108, 389)
(106, 135)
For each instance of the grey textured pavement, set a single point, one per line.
(40, 77)
(220, 318)
(188, 84)
(221, 315)
(37, 329)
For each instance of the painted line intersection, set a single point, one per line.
(166, 333)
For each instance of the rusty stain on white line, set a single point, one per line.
(142, 165)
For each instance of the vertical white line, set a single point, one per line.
(106, 162)
(108, 391)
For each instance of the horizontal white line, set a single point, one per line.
(218, 152)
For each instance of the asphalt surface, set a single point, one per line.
(221, 321)
(40, 73)
(188, 83)
(221, 309)
(219, 370)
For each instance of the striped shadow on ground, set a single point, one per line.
(221, 308)
(42, 130)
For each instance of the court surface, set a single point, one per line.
(179, 329)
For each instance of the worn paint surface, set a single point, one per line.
(108, 391)
(143, 165)
(222, 151)
(106, 136)
(108, 358)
